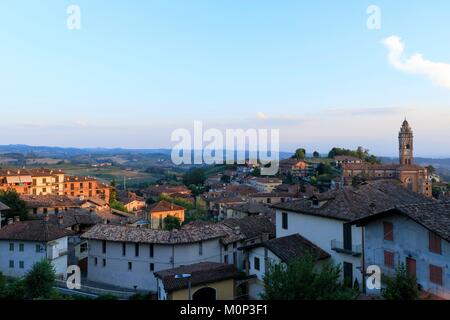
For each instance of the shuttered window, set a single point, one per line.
(436, 274)
(434, 243)
(388, 229)
(389, 259)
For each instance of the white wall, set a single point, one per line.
(116, 270)
(321, 231)
(29, 256)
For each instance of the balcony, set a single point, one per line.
(338, 246)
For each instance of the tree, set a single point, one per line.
(171, 222)
(402, 287)
(225, 178)
(40, 280)
(431, 169)
(300, 154)
(303, 280)
(316, 154)
(18, 207)
(194, 176)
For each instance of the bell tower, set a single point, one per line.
(405, 144)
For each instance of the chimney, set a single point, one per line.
(10, 221)
(46, 218)
(60, 219)
(16, 218)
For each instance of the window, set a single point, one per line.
(200, 248)
(152, 250)
(388, 231)
(56, 210)
(235, 258)
(103, 246)
(130, 266)
(45, 210)
(21, 247)
(436, 274)
(269, 200)
(95, 261)
(124, 249)
(11, 246)
(347, 237)
(21, 264)
(38, 248)
(35, 211)
(256, 263)
(104, 262)
(11, 263)
(44, 180)
(434, 243)
(389, 259)
(136, 249)
(225, 258)
(234, 245)
(284, 220)
(44, 190)
(225, 247)
(152, 267)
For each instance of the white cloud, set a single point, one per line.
(438, 72)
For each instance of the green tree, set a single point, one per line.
(300, 154)
(316, 154)
(225, 178)
(431, 169)
(195, 176)
(171, 222)
(303, 280)
(40, 280)
(18, 207)
(401, 287)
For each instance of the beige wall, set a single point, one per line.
(224, 291)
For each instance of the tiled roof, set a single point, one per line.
(433, 216)
(350, 203)
(75, 217)
(370, 166)
(78, 179)
(143, 235)
(201, 273)
(33, 230)
(252, 208)
(167, 189)
(3, 206)
(48, 201)
(41, 172)
(251, 227)
(275, 194)
(164, 205)
(127, 196)
(292, 247)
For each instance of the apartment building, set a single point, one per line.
(89, 187)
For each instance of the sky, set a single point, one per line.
(138, 70)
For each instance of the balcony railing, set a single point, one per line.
(338, 246)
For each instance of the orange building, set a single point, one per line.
(32, 181)
(88, 187)
(163, 209)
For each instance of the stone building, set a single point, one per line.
(412, 176)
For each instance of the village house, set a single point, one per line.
(23, 243)
(239, 211)
(417, 236)
(272, 197)
(324, 219)
(341, 160)
(128, 256)
(48, 204)
(131, 201)
(159, 211)
(155, 192)
(86, 187)
(264, 184)
(262, 255)
(206, 281)
(217, 205)
(95, 204)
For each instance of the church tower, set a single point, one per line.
(405, 143)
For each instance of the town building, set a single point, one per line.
(412, 176)
(273, 197)
(262, 255)
(324, 219)
(23, 243)
(264, 184)
(155, 192)
(33, 181)
(131, 201)
(239, 211)
(204, 281)
(417, 236)
(341, 160)
(48, 204)
(159, 211)
(86, 187)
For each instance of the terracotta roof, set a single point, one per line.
(48, 201)
(3, 206)
(41, 172)
(369, 166)
(350, 203)
(252, 208)
(433, 216)
(127, 196)
(292, 247)
(167, 189)
(164, 205)
(33, 230)
(201, 273)
(75, 217)
(271, 194)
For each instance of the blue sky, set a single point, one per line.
(137, 70)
